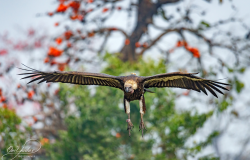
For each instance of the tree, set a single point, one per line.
(96, 129)
(11, 136)
(86, 45)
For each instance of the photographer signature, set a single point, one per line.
(25, 150)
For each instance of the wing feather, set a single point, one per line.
(185, 81)
(82, 78)
(210, 90)
(211, 86)
(201, 88)
(33, 75)
(36, 79)
(218, 86)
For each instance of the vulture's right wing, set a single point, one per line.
(81, 78)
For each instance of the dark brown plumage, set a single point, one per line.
(133, 86)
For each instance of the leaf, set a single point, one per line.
(239, 86)
(206, 24)
(223, 106)
(242, 70)
(230, 70)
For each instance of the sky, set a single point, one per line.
(23, 13)
(18, 15)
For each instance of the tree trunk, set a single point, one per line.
(146, 10)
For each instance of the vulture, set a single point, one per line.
(134, 87)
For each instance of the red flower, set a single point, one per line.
(118, 135)
(195, 51)
(31, 94)
(61, 66)
(56, 92)
(179, 44)
(50, 13)
(119, 8)
(75, 5)
(90, 1)
(185, 44)
(91, 34)
(127, 41)
(69, 44)
(3, 99)
(46, 60)
(105, 10)
(145, 45)
(54, 52)
(56, 24)
(186, 93)
(62, 8)
(31, 32)
(3, 52)
(68, 34)
(5, 106)
(19, 86)
(73, 17)
(79, 31)
(59, 41)
(44, 141)
(35, 119)
(80, 17)
(137, 44)
(53, 62)
(37, 44)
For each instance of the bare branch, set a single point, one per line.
(157, 39)
(167, 1)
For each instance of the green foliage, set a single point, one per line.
(224, 104)
(239, 85)
(197, 148)
(240, 70)
(9, 133)
(203, 25)
(97, 130)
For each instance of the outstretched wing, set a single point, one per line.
(185, 81)
(81, 78)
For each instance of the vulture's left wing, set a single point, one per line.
(81, 78)
(185, 81)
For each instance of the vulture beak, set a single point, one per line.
(127, 89)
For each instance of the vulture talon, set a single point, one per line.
(142, 127)
(130, 126)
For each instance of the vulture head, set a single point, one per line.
(130, 86)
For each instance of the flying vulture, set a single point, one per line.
(133, 86)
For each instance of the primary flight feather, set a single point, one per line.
(133, 86)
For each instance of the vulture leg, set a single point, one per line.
(127, 110)
(142, 111)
